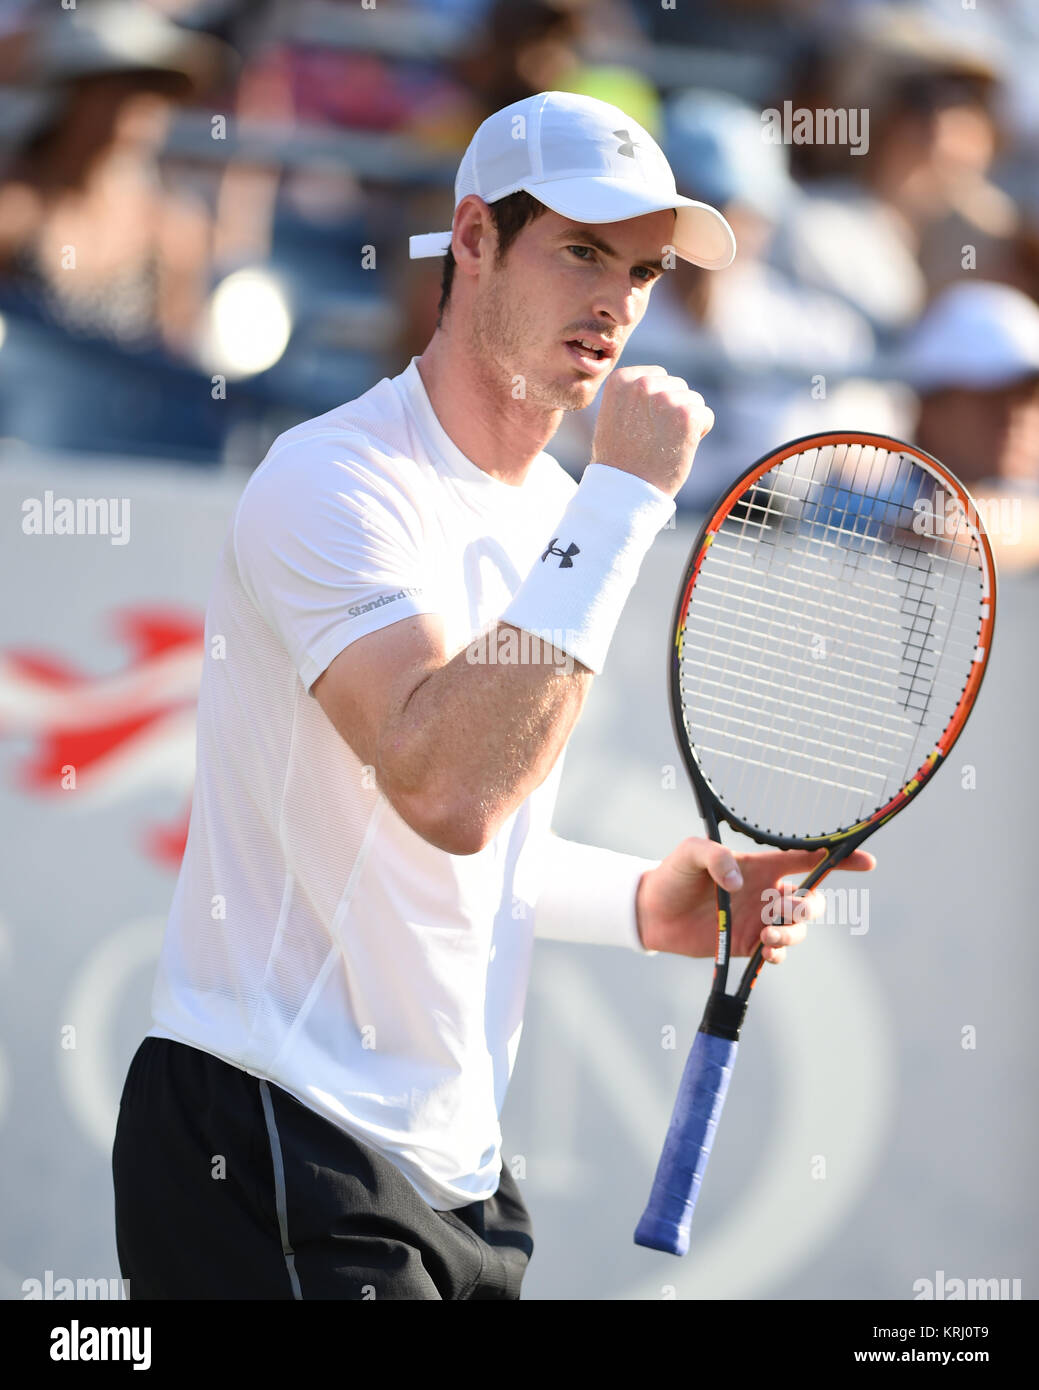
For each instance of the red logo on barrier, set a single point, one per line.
(123, 732)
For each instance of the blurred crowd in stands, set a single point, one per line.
(205, 208)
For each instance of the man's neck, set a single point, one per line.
(498, 433)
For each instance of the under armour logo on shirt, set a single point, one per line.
(627, 145)
(565, 562)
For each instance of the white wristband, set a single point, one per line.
(588, 895)
(574, 595)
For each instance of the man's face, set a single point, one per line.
(560, 282)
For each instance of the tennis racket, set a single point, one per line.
(831, 633)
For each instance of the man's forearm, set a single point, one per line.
(476, 736)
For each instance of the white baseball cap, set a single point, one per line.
(586, 160)
(975, 334)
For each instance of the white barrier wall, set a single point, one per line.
(878, 1135)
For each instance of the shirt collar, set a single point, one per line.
(443, 448)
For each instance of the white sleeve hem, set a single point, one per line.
(315, 661)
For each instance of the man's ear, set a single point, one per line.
(474, 238)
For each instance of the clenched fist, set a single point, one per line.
(650, 424)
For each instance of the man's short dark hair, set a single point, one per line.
(510, 214)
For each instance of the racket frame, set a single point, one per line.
(840, 843)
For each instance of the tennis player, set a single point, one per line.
(409, 609)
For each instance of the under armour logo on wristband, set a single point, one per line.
(565, 562)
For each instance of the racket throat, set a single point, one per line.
(723, 1017)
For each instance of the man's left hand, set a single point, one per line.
(677, 911)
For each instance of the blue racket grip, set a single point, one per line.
(665, 1222)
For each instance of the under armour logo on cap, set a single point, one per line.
(565, 562)
(627, 145)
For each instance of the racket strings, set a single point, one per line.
(821, 708)
(794, 634)
(829, 637)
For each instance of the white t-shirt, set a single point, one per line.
(314, 938)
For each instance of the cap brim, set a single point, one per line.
(429, 244)
(701, 234)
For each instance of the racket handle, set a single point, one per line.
(665, 1222)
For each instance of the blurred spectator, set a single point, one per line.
(755, 315)
(891, 226)
(89, 233)
(974, 361)
(104, 262)
(529, 46)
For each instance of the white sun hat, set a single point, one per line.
(975, 334)
(585, 160)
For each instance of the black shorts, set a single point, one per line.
(226, 1186)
